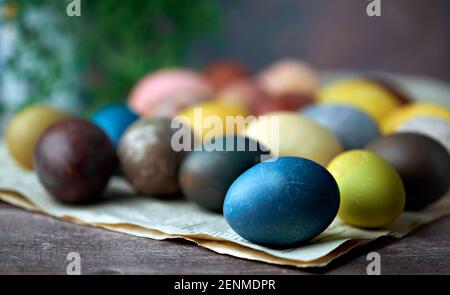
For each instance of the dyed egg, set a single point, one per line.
(223, 73)
(363, 94)
(406, 113)
(149, 160)
(423, 165)
(351, 126)
(244, 92)
(165, 92)
(290, 134)
(435, 128)
(282, 203)
(24, 129)
(207, 173)
(372, 193)
(74, 160)
(391, 87)
(289, 76)
(114, 119)
(209, 119)
(283, 102)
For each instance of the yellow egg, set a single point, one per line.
(291, 134)
(406, 113)
(214, 118)
(363, 94)
(24, 129)
(372, 192)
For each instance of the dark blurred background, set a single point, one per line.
(79, 63)
(410, 36)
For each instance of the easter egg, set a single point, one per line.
(408, 112)
(244, 92)
(74, 160)
(368, 96)
(423, 165)
(224, 72)
(435, 128)
(283, 102)
(372, 193)
(291, 134)
(351, 126)
(207, 173)
(163, 93)
(214, 118)
(391, 87)
(282, 203)
(114, 119)
(289, 76)
(24, 129)
(149, 160)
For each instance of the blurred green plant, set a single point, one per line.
(116, 42)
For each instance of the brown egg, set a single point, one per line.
(423, 165)
(224, 72)
(74, 160)
(148, 160)
(284, 102)
(391, 87)
(245, 92)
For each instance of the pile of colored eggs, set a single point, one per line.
(278, 155)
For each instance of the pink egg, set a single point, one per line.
(165, 92)
(289, 76)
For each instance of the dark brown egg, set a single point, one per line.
(423, 164)
(391, 87)
(224, 72)
(74, 160)
(148, 160)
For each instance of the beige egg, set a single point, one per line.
(24, 129)
(291, 134)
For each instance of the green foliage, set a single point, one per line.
(117, 41)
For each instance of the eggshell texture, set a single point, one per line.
(74, 160)
(244, 92)
(363, 94)
(223, 73)
(206, 174)
(114, 119)
(290, 134)
(209, 119)
(406, 113)
(24, 129)
(165, 92)
(423, 164)
(289, 76)
(351, 126)
(372, 193)
(282, 203)
(435, 128)
(147, 158)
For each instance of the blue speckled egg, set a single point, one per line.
(353, 127)
(114, 119)
(282, 202)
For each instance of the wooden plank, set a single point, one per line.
(32, 243)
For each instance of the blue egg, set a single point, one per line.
(351, 126)
(282, 202)
(114, 119)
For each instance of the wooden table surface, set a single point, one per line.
(32, 243)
